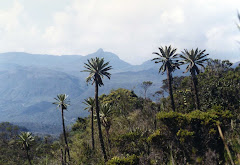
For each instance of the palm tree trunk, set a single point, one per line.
(93, 146)
(169, 78)
(109, 141)
(195, 82)
(65, 138)
(62, 160)
(28, 157)
(145, 94)
(65, 155)
(99, 122)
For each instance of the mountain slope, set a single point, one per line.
(29, 83)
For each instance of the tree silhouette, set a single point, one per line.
(167, 58)
(145, 85)
(194, 58)
(105, 116)
(25, 138)
(90, 105)
(97, 69)
(63, 103)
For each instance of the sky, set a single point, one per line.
(132, 29)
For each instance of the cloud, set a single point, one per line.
(131, 29)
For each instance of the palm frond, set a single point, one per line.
(193, 58)
(167, 57)
(62, 101)
(97, 69)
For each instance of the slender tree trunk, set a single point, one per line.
(145, 94)
(99, 122)
(169, 78)
(155, 122)
(195, 82)
(65, 138)
(62, 160)
(28, 157)
(109, 142)
(93, 146)
(65, 155)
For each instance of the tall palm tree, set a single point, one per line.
(167, 57)
(63, 103)
(90, 105)
(97, 69)
(194, 58)
(105, 116)
(25, 138)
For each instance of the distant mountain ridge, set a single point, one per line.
(65, 62)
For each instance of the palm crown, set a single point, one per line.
(105, 113)
(62, 101)
(97, 70)
(193, 59)
(89, 102)
(26, 138)
(168, 59)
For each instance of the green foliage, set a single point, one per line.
(134, 142)
(146, 84)
(122, 101)
(222, 87)
(183, 134)
(192, 134)
(83, 156)
(155, 137)
(80, 125)
(212, 117)
(105, 115)
(26, 138)
(128, 160)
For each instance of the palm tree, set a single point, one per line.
(105, 116)
(167, 57)
(25, 138)
(97, 69)
(90, 103)
(194, 58)
(63, 103)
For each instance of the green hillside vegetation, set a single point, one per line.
(197, 122)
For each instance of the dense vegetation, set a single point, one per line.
(123, 128)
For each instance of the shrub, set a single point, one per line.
(129, 160)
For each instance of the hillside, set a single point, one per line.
(29, 83)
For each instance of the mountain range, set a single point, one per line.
(29, 83)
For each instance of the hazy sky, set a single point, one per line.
(132, 29)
